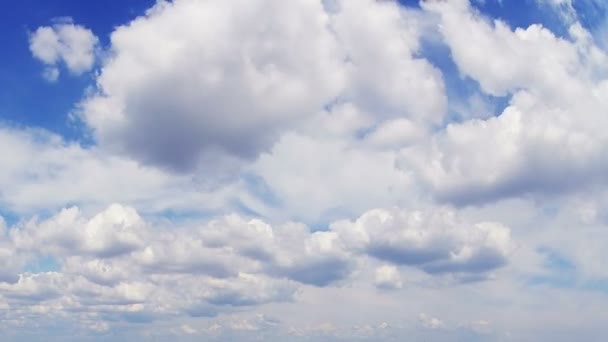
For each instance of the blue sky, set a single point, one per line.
(211, 170)
(20, 74)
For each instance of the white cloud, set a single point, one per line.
(41, 172)
(224, 89)
(215, 97)
(430, 322)
(557, 104)
(335, 167)
(435, 241)
(64, 43)
(388, 277)
(125, 269)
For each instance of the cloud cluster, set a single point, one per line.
(220, 92)
(557, 96)
(64, 43)
(120, 267)
(303, 159)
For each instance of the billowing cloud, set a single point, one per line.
(231, 77)
(557, 89)
(130, 267)
(436, 242)
(300, 171)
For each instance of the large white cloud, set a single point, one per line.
(231, 76)
(315, 111)
(227, 77)
(436, 241)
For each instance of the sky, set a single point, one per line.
(305, 170)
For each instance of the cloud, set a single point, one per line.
(556, 88)
(215, 98)
(11, 261)
(126, 269)
(65, 43)
(111, 233)
(302, 160)
(336, 167)
(435, 241)
(42, 172)
(430, 322)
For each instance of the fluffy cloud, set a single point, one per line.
(119, 266)
(435, 241)
(388, 277)
(113, 232)
(64, 43)
(557, 102)
(219, 95)
(224, 89)
(10, 262)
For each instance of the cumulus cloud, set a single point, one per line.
(130, 267)
(336, 167)
(113, 232)
(557, 88)
(216, 96)
(249, 143)
(434, 241)
(66, 44)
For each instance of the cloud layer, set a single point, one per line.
(116, 266)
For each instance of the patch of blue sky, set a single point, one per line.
(410, 3)
(591, 13)
(460, 89)
(10, 218)
(523, 13)
(177, 217)
(562, 273)
(260, 189)
(257, 187)
(43, 264)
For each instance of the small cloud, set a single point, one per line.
(64, 43)
(188, 329)
(51, 74)
(430, 322)
(388, 277)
